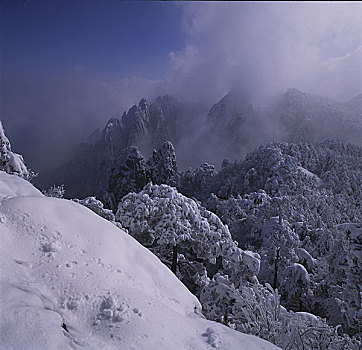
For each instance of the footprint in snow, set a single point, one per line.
(109, 310)
(71, 263)
(212, 338)
(50, 247)
(23, 263)
(137, 311)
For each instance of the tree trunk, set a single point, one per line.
(276, 261)
(174, 259)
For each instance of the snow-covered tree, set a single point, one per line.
(295, 286)
(161, 217)
(254, 309)
(132, 172)
(279, 243)
(11, 162)
(345, 279)
(129, 174)
(196, 182)
(162, 165)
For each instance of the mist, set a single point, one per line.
(264, 48)
(255, 49)
(48, 117)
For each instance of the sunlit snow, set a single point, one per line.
(72, 280)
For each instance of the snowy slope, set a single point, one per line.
(62, 265)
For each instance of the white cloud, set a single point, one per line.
(265, 48)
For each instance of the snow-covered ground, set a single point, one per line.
(72, 280)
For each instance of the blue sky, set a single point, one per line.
(111, 38)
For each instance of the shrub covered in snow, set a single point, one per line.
(250, 308)
(11, 162)
(295, 286)
(96, 206)
(55, 191)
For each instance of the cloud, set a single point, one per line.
(341, 77)
(259, 50)
(264, 48)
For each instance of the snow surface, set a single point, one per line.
(13, 186)
(63, 265)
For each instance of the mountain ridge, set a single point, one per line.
(231, 129)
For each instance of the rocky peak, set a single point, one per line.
(113, 126)
(234, 125)
(294, 100)
(166, 103)
(294, 93)
(136, 123)
(143, 105)
(230, 107)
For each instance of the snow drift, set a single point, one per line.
(72, 280)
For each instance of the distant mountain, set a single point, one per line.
(355, 106)
(147, 126)
(311, 118)
(235, 126)
(232, 128)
